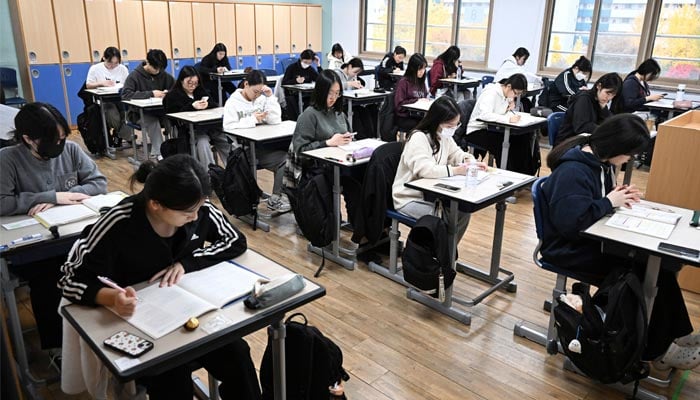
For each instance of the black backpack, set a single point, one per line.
(312, 203)
(426, 258)
(313, 363)
(612, 330)
(90, 128)
(236, 186)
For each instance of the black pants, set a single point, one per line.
(406, 124)
(230, 364)
(521, 157)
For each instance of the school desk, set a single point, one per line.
(228, 76)
(151, 104)
(464, 82)
(213, 117)
(363, 97)
(300, 89)
(527, 124)
(101, 95)
(667, 105)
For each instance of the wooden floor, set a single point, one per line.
(395, 348)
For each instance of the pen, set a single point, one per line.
(334, 159)
(26, 239)
(112, 284)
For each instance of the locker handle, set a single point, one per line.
(294, 47)
(35, 73)
(32, 57)
(277, 47)
(259, 59)
(68, 71)
(259, 47)
(310, 46)
(240, 49)
(65, 54)
(125, 53)
(176, 51)
(199, 51)
(96, 55)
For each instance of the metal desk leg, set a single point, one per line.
(629, 167)
(651, 275)
(193, 150)
(253, 160)
(279, 331)
(247, 218)
(456, 87)
(301, 103)
(108, 150)
(221, 94)
(505, 147)
(475, 89)
(144, 142)
(350, 113)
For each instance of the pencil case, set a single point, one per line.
(359, 154)
(269, 292)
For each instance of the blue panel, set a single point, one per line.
(131, 65)
(179, 63)
(266, 61)
(48, 86)
(74, 76)
(232, 61)
(278, 62)
(246, 61)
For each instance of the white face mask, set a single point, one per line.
(305, 66)
(447, 133)
(580, 76)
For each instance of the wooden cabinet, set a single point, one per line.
(182, 37)
(204, 33)
(314, 25)
(101, 26)
(225, 21)
(264, 40)
(131, 32)
(298, 34)
(281, 29)
(245, 36)
(39, 31)
(72, 31)
(158, 27)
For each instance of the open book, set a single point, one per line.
(62, 215)
(161, 310)
(645, 219)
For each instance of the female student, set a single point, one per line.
(635, 88)
(110, 72)
(496, 103)
(187, 95)
(215, 61)
(300, 72)
(444, 66)
(168, 229)
(323, 124)
(430, 152)
(410, 89)
(337, 57)
(252, 105)
(348, 73)
(392, 62)
(40, 171)
(515, 64)
(589, 108)
(568, 83)
(580, 191)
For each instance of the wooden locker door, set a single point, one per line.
(225, 21)
(281, 29)
(158, 27)
(39, 31)
(263, 34)
(72, 31)
(132, 34)
(245, 37)
(204, 33)
(102, 27)
(314, 25)
(298, 35)
(181, 30)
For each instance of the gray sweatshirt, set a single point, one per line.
(26, 181)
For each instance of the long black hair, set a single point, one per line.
(217, 48)
(323, 86)
(584, 65)
(443, 109)
(613, 83)
(178, 182)
(39, 121)
(416, 62)
(516, 82)
(622, 134)
(110, 53)
(449, 58)
(186, 72)
(648, 67)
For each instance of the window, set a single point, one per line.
(617, 35)
(428, 26)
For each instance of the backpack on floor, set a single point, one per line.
(236, 186)
(607, 339)
(312, 203)
(426, 258)
(90, 128)
(313, 363)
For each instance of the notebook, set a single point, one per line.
(89, 208)
(646, 219)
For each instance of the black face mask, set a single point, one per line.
(48, 149)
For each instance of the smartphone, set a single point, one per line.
(447, 187)
(128, 343)
(664, 94)
(680, 250)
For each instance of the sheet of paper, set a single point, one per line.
(649, 212)
(20, 224)
(61, 215)
(640, 225)
(480, 176)
(358, 144)
(104, 200)
(220, 283)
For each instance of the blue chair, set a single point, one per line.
(486, 79)
(554, 121)
(287, 62)
(8, 81)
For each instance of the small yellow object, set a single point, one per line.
(192, 324)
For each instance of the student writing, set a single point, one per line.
(392, 62)
(635, 87)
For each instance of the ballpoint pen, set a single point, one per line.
(112, 284)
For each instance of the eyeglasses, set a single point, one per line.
(518, 93)
(192, 82)
(333, 95)
(454, 126)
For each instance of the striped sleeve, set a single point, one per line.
(566, 83)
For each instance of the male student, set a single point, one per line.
(392, 62)
(149, 80)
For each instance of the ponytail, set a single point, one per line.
(516, 81)
(555, 155)
(355, 63)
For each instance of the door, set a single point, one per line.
(72, 31)
(225, 21)
(245, 36)
(204, 32)
(298, 34)
(131, 32)
(158, 27)
(314, 25)
(39, 31)
(101, 26)
(281, 32)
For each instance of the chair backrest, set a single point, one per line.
(287, 62)
(486, 79)
(553, 123)
(8, 78)
(268, 72)
(538, 209)
(197, 65)
(465, 110)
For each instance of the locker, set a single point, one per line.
(74, 76)
(246, 61)
(132, 35)
(178, 63)
(265, 61)
(48, 85)
(102, 26)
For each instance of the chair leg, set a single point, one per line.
(393, 272)
(545, 337)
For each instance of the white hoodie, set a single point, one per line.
(238, 112)
(510, 67)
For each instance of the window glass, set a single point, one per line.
(677, 42)
(438, 30)
(405, 17)
(473, 29)
(376, 15)
(570, 32)
(617, 41)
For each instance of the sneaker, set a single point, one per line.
(278, 203)
(683, 358)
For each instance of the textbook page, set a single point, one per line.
(61, 215)
(647, 211)
(104, 200)
(640, 225)
(220, 283)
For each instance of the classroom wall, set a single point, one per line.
(8, 53)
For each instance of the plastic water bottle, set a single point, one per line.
(459, 71)
(681, 92)
(472, 174)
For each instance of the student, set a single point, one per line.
(187, 95)
(568, 83)
(163, 232)
(410, 89)
(430, 152)
(215, 61)
(337, 57)
(392, 62)
(515, 64)
(580, 191)
(635, 88)
(323, 124)
(40, 171)
(444, 66)
(589, 108)
(348, 73)
(149, 80)
(252, 105)
(302, 71)
(110, 72)
(496, 103)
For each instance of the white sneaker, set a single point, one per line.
(278, 203)
(683, 358)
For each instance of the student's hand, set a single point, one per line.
(260, 116)
(159, 93)
(622, 196)
(355, 84)
(514, 118)
(481, 165)
(70, 197)
(317, 60)
(584, 87)
(424, 99)
(125, 302)
(200, 105)
(339, 139)
(220, 69)
(655, 97)
(169, 276)
(39, 208)
(267, 92)
(107, 82)
(460, 169)
(397, 70)
(300, 79)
